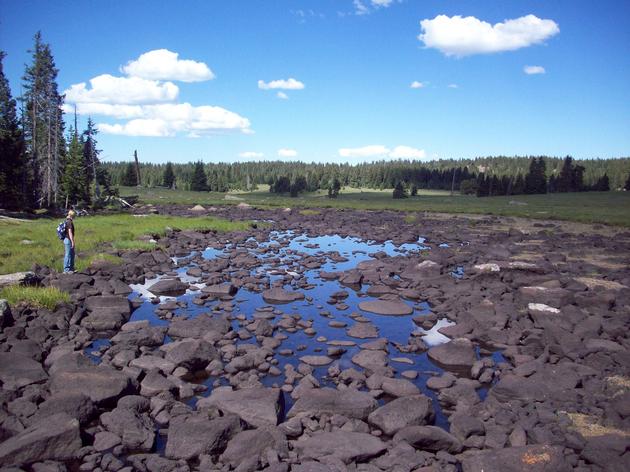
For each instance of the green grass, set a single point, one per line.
(587, 207)
(47, 297)
(28, 242)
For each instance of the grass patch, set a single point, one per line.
(46, 297)
(94, 235)
(127, 244)
(584, 207)
(308, 212)
(411, 218)
(84, 263)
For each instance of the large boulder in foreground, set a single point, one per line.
(534, 458)
(104, 385)
(348, 402)
(107, 312)
(256, 406)
(188, 437)
(387, 307)
(280, 295)
(168, 287)
(18, 370)
(55, 438)
(416, 410)
(344, 445)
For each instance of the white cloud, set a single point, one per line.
(162, 64)
(416, 85)
(454, 86)
(532, 70)
(362, 7)
(365, 151)
(378, 150)
(284, 152)
(138, 128)
(289, 84)
(116, 111)
(251, 154)
(382, 3)
(406, 152)
(122, 91)
(282, 95)
(459, 36)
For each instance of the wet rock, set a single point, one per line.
(107, 312)
(149, 336)
(429, 438)
(203, 325)
(535, 458)
(457, 354)
(316, 360)
(387, 307)
(55, 438)
(348, 402)
(373, 361)
(168, 287)
(414, 410)
(104, 385)
(256, 406)
(279, 295)
(193, 354)
(346, 446)
(17, 371)
(399, 387)
(362, 331)
(220, 290)
(190, 437)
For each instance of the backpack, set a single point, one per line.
(61, 230)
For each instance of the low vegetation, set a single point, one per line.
(23, 243)
(46, 297)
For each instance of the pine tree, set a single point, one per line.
(199, 182)
(399, 190)
(12, 165)
(130, 178)
(334, 187)
(603, 184)
(43, 125)
(90, 157)
(626, 186)
(168, 180)
(74, 183)
(564, 182)
(536, 180)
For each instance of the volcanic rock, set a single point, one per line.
(348, 402)
(279, 295)
(257, 406)
(386, 307)
(346, 446)
(189, 437)
(414, 410)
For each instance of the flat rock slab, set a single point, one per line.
(387, 307)
(316, 360)
(55, 438)
(429, 438)
(534, 458)
(374, 361)
(280, 295)
(17, 278)
(220, 290)
(362, 331)
(200, 326)
(457, 354)
(348, 402)
(17, 371)
(168, 287)
(344, 445)
(254, 442)
(256, 406)
(104, 385)
(415, 410)
(109, 303)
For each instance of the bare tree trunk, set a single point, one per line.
(135, 156)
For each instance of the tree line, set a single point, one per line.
(42, 166)
(482, 177)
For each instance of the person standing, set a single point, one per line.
(68, 243)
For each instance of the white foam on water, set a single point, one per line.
(434, 338)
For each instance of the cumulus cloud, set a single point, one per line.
(453, 86)
(532, 70)
(121, 91)
(378, 150)
(464, 36)
(289, 84)
(365, 7)
(151, 105)
(284, 152)
(251, 155)
(162, 64)
(282, 95)
(416, 85)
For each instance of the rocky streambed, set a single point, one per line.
(344, 340)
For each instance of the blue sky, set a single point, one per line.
(353, 63)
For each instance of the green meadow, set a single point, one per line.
(588, 207)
